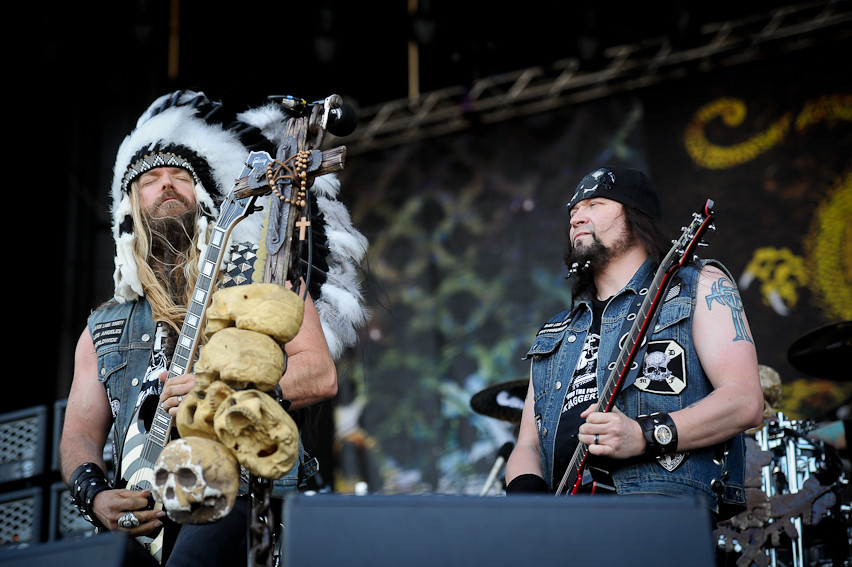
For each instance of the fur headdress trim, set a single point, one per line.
(171, 130)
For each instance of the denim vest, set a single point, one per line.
(716, 473)
(123, 334)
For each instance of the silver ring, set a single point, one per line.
(180, 399)
(128, 521)
(597, 438)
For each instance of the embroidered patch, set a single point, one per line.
(671, 462)
(674, 291)
(553, 328)
(108, 333)
(663, 370)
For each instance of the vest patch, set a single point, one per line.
(553, 328)
(671, 462)
(108, 333)
(663, 370)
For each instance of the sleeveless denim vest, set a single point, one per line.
(123, 334)
(716, 473)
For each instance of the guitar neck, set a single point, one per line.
(634, 338)
(187, 343)
(606, 398)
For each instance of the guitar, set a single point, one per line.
(148, 435)
(578, 476)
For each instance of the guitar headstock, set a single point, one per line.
(250, 184)
(693, 235)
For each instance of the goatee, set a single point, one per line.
(592, 256)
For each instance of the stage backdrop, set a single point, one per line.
(466, 234)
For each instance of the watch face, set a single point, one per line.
(663, 434)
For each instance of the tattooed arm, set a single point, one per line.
(725, 346)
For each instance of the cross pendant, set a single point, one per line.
(303, 223)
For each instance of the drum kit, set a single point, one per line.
(797, 487)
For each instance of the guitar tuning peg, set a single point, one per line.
(703, 244)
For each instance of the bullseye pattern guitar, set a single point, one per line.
(577, 478)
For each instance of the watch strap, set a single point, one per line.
(660, 434)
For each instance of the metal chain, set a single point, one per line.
(260, 522)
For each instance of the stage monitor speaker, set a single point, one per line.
(112, 549)
(378, 530)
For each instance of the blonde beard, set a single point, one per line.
(166, 255)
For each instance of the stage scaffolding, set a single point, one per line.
(619, 69)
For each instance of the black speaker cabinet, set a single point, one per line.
(103, 550)
(435, 530)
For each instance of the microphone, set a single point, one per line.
(342, 121)
(296, 105)
(502, 456)
(341, 118)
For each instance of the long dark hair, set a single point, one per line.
(650, 232)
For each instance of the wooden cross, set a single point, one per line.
(303, 224)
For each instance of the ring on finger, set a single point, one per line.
(128, 521)
(597, 439)
(180, 399)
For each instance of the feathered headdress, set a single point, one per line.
(186, 129)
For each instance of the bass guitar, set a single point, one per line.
(148, 434)
(578, 477)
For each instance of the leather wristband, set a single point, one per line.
(660, 434)
(526, 483)
(85, 483)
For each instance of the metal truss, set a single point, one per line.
(624, 68)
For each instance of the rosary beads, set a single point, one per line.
(299, 173)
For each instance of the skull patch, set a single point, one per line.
(663, 370)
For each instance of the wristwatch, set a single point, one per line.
(660, 434)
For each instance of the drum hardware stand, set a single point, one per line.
(794, 475)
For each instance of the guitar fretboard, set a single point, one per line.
(187, 343)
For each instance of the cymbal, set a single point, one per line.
(504, 400)
(824, 352)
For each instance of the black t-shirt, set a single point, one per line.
(582, 391)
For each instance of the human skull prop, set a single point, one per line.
(241, 359)
(657, 366)
(266, 308)
(260, 433)
(196, 480)
(196, 412)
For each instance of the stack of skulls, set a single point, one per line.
(230, 418)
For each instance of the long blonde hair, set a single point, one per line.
(170, 308)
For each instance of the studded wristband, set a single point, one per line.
(660, 434)
(85, 483)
